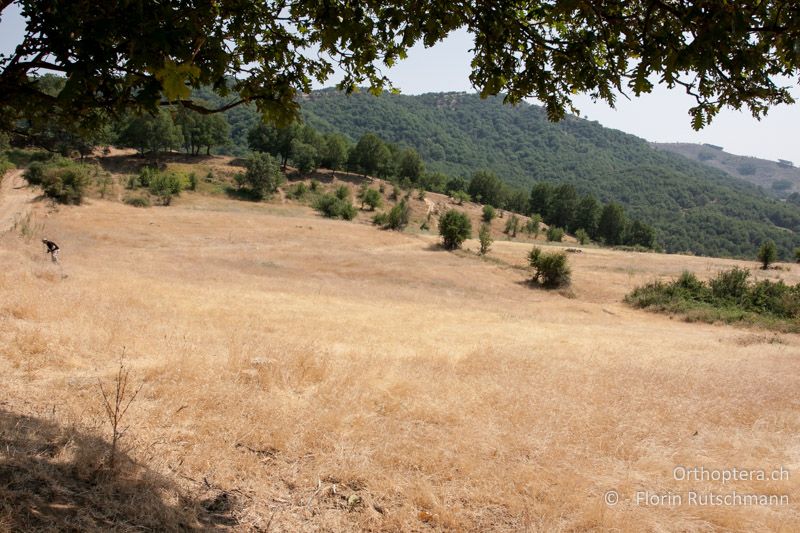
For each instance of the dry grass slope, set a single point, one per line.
(303, 374)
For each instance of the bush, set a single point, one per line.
(460, 197)
(332, 206)
(729, 296)
(380, 219)
(730, 285)
(455, 228)
(263, 174)
(532, 227)
(165, 185)
(398, 216)
(138, 201)
(146, 175)
(342, 192)
(512, 226)
(797, 254)
(582, 236)
(555, 234)
(421, 195)
(192, 181)
(488, 213)
(372, 198)
(767, 254)
(60, 179)
(298, 191)
(551, 270)
(485, 237)
(5, 166)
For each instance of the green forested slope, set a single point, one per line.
(693, 207)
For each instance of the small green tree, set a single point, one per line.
(488, 213)
(455, 228)
(372, 198)
(797, 254)
(332, 206)
(512, 226)
(532, 227)
(165, 185)
(460, 197)
(555, 234)
(304, 156)
(263, 175)
(485, 237)
(767, 254)
(582, 236)
(398, 216)
(549, 269)
(342, 192)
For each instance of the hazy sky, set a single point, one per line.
(661, 116)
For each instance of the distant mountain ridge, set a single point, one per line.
(693, 206)
(780, 178)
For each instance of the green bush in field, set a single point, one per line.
(485, 238)
(192, 181)
(332, 206)
(550, 269)
(767, 254)
(165, 185)
(488, 213)
(380, 219)
(582, 236)
(532, 227)
(512, 226)
(61, 180)
(372, 198)
(555, 234)
(455, 228)
(398, 216)
(298, 191)
(263, 175)
(138, 201)
(342, 192)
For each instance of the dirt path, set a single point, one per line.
(15, 199)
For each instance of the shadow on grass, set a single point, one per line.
(52, 478)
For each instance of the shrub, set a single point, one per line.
(767, 254)
(332, 206)
(485, 237)
(298, 191)
(532, 227)
(146, 175)
(730, 284)
(582, 236)
(342, 192)
(372, 198)
(65, 185)
(263, 174)
(488, 213)
(35, 173)
(555, 234)
(421, 195)
(314, 185)
(460, 197)
(192, 181)
(797, 254)
(5, 165)
(210, 176)
(512, 226)
(380, 219)
(455, 228)
(138, 201)
(165, 185)
(551, 270)
(398, 216)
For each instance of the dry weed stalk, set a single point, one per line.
(117, 406)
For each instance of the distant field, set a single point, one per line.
(304, 374)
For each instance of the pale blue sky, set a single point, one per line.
(661, 116)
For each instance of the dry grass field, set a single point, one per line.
(304, 374)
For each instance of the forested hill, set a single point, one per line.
(693, 207)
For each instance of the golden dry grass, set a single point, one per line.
(304, 374)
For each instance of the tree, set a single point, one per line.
(485, 238)
(304, 156)
(409, 165)
(486, 187)
(611, 227)
(797, 254)
(334, 151)
(640, 234)
(767, 254)
(372, 198)
(165, 185)
(555, 234)
(582, 236)
(718, 54)
(398, 216)
(488, 213)
(201, 131)
(563, 206)
(369, 155)
(455, 228)
(550, 269)
(263, 175)
(587, 215)
(151, 133)
(532, 227)
(541, 195)
(460, 197)
(272, 140)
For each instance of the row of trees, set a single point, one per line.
(171, 129)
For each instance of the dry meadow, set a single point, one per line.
(304, 374)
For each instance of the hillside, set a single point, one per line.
(779, 179)
(693, 207)
(307, 374)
